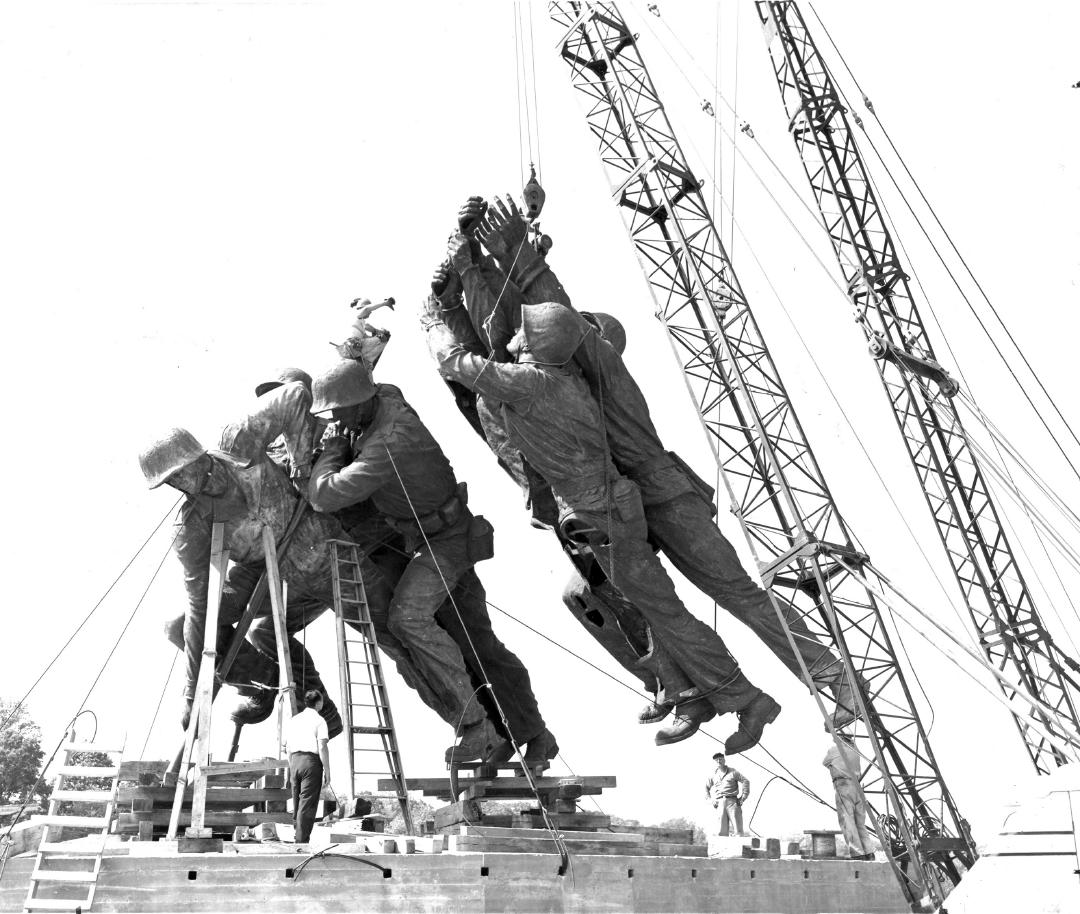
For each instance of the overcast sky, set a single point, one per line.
(193, 192)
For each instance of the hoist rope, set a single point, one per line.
(87, 617)
(161, 698)
(536, 97)
(956, 251)
(517, 96)
(1036, 704)
(101, 671)
(556, 836)
(803, 789)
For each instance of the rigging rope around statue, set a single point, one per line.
(86, 618)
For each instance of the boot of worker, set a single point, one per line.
(477, 741)
(691, 711)
(539, 752)
(655, 711)
(753, 718)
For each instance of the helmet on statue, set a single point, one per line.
(176, 450)
(552, 332)
(347, 383)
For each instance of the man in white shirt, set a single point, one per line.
(727, 789)
(844, 765)
(306, 736)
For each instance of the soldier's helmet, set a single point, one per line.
(345, 384)
(285, 376)
(610, 327)
(553, 332)
(178, 449)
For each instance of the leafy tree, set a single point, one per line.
(20, 754)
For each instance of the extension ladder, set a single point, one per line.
(365, 703)
(61, 867)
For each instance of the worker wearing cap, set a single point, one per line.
(247, 491)
(727, 789)
(383, 452)
(552, 419)
(844, 766)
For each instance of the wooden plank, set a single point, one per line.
(72, 821)
(488, 831)
(248, 796)
(204, 690)
(256, 766)
(583, 821)
(212, 818)
(512, 783)
(476, 844)
(659, 833)
(518, 793)
(82, 796)
(281, 634)
(88, 771)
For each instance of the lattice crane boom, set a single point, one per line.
(999, 602)
(777, 489)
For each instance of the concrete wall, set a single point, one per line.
(482, 882)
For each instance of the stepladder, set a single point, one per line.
(84, 794)
(371, 740)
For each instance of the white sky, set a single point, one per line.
(192, 193)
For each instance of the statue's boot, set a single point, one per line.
(655, 711)
(539, 752)
(691, 711)
(753, 718)
(476, 743)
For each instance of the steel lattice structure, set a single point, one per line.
(1000, 605)
(778, 491)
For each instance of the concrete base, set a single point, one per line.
(266, 882)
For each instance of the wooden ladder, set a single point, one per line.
(60, 868)
(365, 704)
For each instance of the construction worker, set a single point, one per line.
(383, 452)
(727, 789)
(678, 503)
(552, 419)
(842, 761)
(305, 737)
(246, 492)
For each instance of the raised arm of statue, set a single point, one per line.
(507, 382)
(285, 412)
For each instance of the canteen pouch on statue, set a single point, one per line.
(481, 539)
(707, 492)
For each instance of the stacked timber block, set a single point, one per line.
(468, 827)
(237, 793)
(558, 797)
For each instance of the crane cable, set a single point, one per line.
(101, 671)
(549, 825)
(1069, 734)
(87, 617)
(870, 107)
(806, 243)
(804, 789)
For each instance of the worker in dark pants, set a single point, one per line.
(305, 738)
